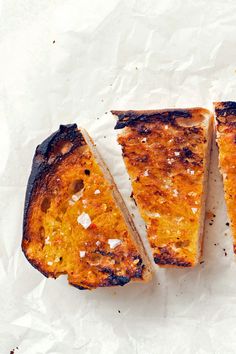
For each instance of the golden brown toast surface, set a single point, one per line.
(226, 140)
(72, 223)
(165, 152)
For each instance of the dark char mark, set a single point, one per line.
(41, 164)
(165, 258)
(227, 108)
(79, 286)
(114, 279)
(130, 118)
(187, 152)
(117, 280)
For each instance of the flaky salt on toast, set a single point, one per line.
(75, 221)
(166, 153)
(225, 113)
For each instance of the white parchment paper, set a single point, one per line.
(64, 61)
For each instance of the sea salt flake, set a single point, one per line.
(144, 140)
(82, 254)
(75, 197)
(50, 263)
(179, 219)
(98, 243)
(47, 241)
(194, 210)
(177, 153)
(153, 215)
(146, 173)
(97, 191)
(170, 161)
(175, 193)
(114, 242)
(84, 220)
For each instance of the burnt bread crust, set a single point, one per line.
(166, 153)
(53, 241)
(48, 153)
(131, 118)
(224, 110)
(225, 114)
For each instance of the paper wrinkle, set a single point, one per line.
(112, 55)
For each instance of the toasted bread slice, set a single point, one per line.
(166, 153)
(75, 221)
(226, 140)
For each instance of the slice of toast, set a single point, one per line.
(75, 221)
(166, 153)
(225, 113)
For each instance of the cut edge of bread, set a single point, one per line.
(147, 274)
(210, 130)
(226, 110)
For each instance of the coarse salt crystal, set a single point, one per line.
(84, 220)
(175, 193)
(194, 210)
(170, 161)
(97, 191)
(177, 153)
(166, 127)
(155, 215)
(75, 197)
(50, 263)
(179, 219)
(98, 243)
(114, 242)
(146, 173)
(144, 140)
(82, 254)
(57, 259)
(47, 242)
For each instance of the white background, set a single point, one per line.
(111, 54)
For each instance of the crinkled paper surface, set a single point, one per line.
(64, 61)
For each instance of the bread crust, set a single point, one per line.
(170, 145)
(225, 113)
(56, 163)
(172, 116)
